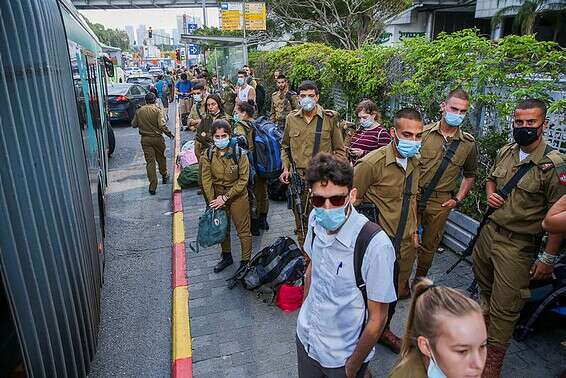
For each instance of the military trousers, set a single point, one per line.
(406, 259)
(432, 220)
(502, 268)
(185, 105)
(154, 150)
(260, 191)
(238, 209)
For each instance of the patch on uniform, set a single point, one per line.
(546, 167)
(562, 176)
(203, 134)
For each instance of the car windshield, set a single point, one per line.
(140, 80)
(118, 89)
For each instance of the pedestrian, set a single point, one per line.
(445, 335)
(228, 96)
(214, 111)
(555, 220)
(162, 87)
(388, 179)
(283, 101)
(184, 88)
(225, 176)
(308, 131)
(250, 76)
(245, 92)
(333, 337)
(507, 246)
(448, 158)
(371, 135)
(198, 110)
(150, 122)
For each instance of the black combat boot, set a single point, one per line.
(224, 263)
(254, 227)
(263, 222)
(165, 179)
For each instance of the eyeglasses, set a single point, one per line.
(319, 201)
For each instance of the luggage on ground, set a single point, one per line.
(188, 178)
(276, 190)
(212, 226)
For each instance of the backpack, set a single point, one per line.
(280, 262)
(188, 177)
(267, 148)
(212, 226)
(276, 190)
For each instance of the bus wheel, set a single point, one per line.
(111, 141)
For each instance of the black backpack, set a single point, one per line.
(281, 261)
(276, 190)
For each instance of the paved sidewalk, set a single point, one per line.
(236, 335)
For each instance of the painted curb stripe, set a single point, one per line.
(182, 347)
(182, 367)
(178, 228)
(179, 275)
(176, 186)
(177, 202)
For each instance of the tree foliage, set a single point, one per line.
(527, 13)
(111, 37)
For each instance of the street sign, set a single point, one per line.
(191, 28)
(256, 16)
(231, 14)
(194, 49)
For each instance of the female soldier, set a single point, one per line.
(370, 135)
(445, 335)
(203, 136)
(225, 171)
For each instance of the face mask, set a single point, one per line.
(453, 119)
(236, 117)
(222, 143)
(525, 135)
(434, 371)
(307, 103)
(240, 81)
(408, 148)
(197, 97)
(330, 219)
(367, 123)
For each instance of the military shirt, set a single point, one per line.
(300, 137)
(434, 146)
(222, 170)
(201, 109)
(244, 128)
(536, 192)
(203, 133)
(282, 104)
(150, 121)
(228, 97)
(381, 180)
(412, 366)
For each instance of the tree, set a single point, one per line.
(527, 13)
(110, 37)
(348, 24)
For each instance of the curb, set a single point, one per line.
(181, 348)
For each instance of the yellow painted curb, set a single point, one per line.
(178, 228)
(182, 346)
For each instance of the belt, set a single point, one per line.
(437, 194)
(515, 235)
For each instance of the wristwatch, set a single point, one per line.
(457, 201)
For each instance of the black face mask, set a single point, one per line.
(525, 135)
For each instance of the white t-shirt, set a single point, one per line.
(522, 155)
(332, 315)
(244, 93)
(403, 162)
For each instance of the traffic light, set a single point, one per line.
(150, 32)
(178, 54)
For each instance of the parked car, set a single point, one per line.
(145, 80)
(124, 99)
(155, 71)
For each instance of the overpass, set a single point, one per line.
(142, 4)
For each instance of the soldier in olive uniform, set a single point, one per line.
(283, 102)
(225, 175)
(198, 109)
(150, 121)
(300, 136)
(203, 134)
(228, 96)
(437, 141)
(388, 178)
(507, 246)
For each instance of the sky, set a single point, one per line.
(156, 18)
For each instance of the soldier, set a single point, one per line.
(308, 131)
(224, 181)
(506, 247)
(199, 104)
(447, 153)
(283, 101)
(183, 89)
(228, 96)
(388, 178)
(203, 136)
(150, 121)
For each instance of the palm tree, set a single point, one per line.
(527, 12)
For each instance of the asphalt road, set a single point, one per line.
(134, 338)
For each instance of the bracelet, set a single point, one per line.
(457, 201)
(548, 259)
(225, 198)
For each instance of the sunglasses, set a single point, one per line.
(319, 201)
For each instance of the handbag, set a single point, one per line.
(212, 227)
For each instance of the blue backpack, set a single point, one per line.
(267, 148)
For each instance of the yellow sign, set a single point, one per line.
(256, 16)
(231, 15)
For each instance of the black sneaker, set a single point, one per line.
(263, 225)
(165, 179)
(152, 192)
(224, 263)
(254, 227)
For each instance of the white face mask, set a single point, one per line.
(434, 371)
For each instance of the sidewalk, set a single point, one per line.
(236, 335)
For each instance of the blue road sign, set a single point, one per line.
(191, 28)
(194, 49)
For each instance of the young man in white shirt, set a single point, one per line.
(332, 339)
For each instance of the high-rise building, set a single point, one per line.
(141, 34)
(175, 36)
(130, 32)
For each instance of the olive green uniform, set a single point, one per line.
(258, 198)
(300, 137)
(203, 134)
(433, 218)
(150, 121)
(412, 366)
(380, 180)
(223, 176)
(228, 97)
(281, 105)
(507, 246)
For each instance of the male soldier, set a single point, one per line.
(183, 89)
(388, 178)
(283, 101)
(228, 96)
(308, 131)
(506, 247)
(150, 121)
(446, 153)
(198, 111)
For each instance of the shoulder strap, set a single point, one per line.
(404, 214)
(210, 153)
(438, 174)
(236, 154)
(317, 135)
(368, 231)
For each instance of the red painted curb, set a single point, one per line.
(179, 275)
(177, 202)
(182, 368)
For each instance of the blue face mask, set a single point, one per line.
(307, 103)
(453, 119)
(367, 123)
(197, 97)
(330, 219)
(222, 143)
(236, 117)
(434, 371)
(240, 81)
(408, 148)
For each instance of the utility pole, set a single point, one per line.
(204, 13)
(245, 45)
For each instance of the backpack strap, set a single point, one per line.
(317, 135)
(210, 153)
(404, 214)
(368, 231)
